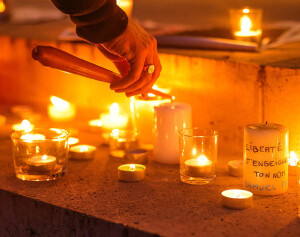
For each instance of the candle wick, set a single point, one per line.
(266, 122)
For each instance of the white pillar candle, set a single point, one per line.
(266, 159)
(82, 152)
(169, 119)
(131, 172)
(237, 199)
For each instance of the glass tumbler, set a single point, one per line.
(198, 155)
(40, 154)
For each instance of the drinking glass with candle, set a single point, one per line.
(40, 154)
(198, 155)
(246, 24)
(142, 109)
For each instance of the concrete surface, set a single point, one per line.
(89, 201)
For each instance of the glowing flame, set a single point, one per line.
(73, 140)
(33, 137)
(114, 109)
(115, 132)
(202, 160)
(44, 157)
(95, 123)
(83, 149)
(59, 103)
(246, 10)
(293, 160)
(2, 6)
(194, 152)
(132, 167)
(246, 24)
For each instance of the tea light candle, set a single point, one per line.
(61, 110)
(237, 199)
(95, 125)
(83, 152)
(131, 172)
(2, 120)
(235, 168)
(246, 25)
(198, 167)
(266, 159)
(114, 120)
(41, 163)
(33, 137)
(73, 141)
(25, 125)
(293, 160)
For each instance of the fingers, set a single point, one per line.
(136, 68)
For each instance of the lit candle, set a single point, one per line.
(246, 25)
(73, 141)
(2, 120)
(131, 172)
(266, 158)
(293, 160)
(143, 117)
(95, 125)
(33, 137)
(236, 167)
(120, 141)
(41, 163)
(82, 152)
(61, 110)
(237, 199)
(126, 6)
(114, 120)
(198, 167)
(25, 126)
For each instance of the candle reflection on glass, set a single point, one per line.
(293, 160)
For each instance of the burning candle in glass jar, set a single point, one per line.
(198, 167)
(237, 199)
(131, 172)
(41, 163)
(114, 120)
(25, 125)
(293, 160)
(60, 110)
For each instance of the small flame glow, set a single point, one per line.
(202, 160)
(246, 24)
(293, 160)
(132, 167)
(114, 109)
(83, 148)
(73, 140)
(44, 157)
(194, 152)
(2, 6)
(115, 132)
(25, 125)
(59, 103)
(246, 10)
(33, 137)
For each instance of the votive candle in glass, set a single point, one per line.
(40, 154)
(198, 155)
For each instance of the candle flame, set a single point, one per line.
(115, 132)
(59, 103)
(95, 123)
(237, 194)
(246, 24)
(25, 125)
(83, 148)
(246, 10)
(202, 160)
(44, 157)
(293, 160)
(194, 152)
(114, 109)
(132, 167)
(33, 137)
(2, 6)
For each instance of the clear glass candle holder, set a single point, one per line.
(246, 24)
(142, 109)
(121, 141)
(198, 155)
(40, 154)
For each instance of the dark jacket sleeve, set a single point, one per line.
(97, 21)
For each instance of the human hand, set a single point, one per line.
(132, 52)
